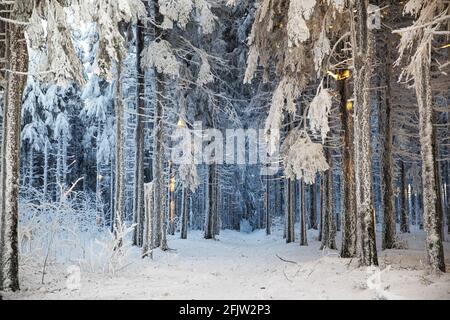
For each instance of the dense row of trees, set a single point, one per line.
(89, 103)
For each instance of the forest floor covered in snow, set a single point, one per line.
(249, 266)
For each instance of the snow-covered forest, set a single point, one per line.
(224, 149)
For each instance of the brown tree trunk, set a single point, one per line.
(171, 199)
(404, 223)
(119, 191)
(158, 150)
(303, 234)
(290, 207)
(348, 249)
(362, 59)
(17, 62)
(211, 213)
(329, 227)
(138, 208)
(386, 157)
(185, 213)
(313, 210)
(431, 206)
(268, 218)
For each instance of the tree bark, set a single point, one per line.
(386, 156)
(290, 235)
(329, 227)
(138, 206)
(348, 248)
(404, 223)
(303, 234)
(313, 209)
(362, 59)
(158, 149)
(17, 60)
(147, 240)
(322, 207)
(268, 218)
(185, 213)
(171, 199)
(211, 212)
(119, 191)
(431, 214)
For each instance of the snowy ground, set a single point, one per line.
(248, 266)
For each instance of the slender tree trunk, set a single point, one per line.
(268, 218)
(322, 207)
(337, 191)
(119, 196)
(386, 157)
(45, 186)
(437, 174)
(329, 225)
(431, 214)
(348, 248)
(147, 240)
(111, 195)
(211, 212)
(158, 168)
(303, 234)
(362, 51)
(138, 205)
(448, 194)
(98, 180)
(313, 210)
(17, 60)
(404, 223)
(158, 150)
(171, 199)
(290, 235)
(185, 213)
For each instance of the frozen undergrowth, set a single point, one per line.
(68, 233)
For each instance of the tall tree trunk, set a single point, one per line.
(158, 150)
(431, 214)
(362, 59)
(119, 190)
(322, 207)
(158, 168)
(313, 211)
(303, 234)
(448, 193)
(98, 180)
(45, 183)
(111, 194)
(404, 223)
(147, 240)
(211, 212)
(329, 224)
(386, 156)
(138, 205)
(17, 60)
(290, 207)
(185, 213)
(437, 174)
(268, 218)
(171, 199)
(348, 248)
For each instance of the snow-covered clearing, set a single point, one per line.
(249, 266)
